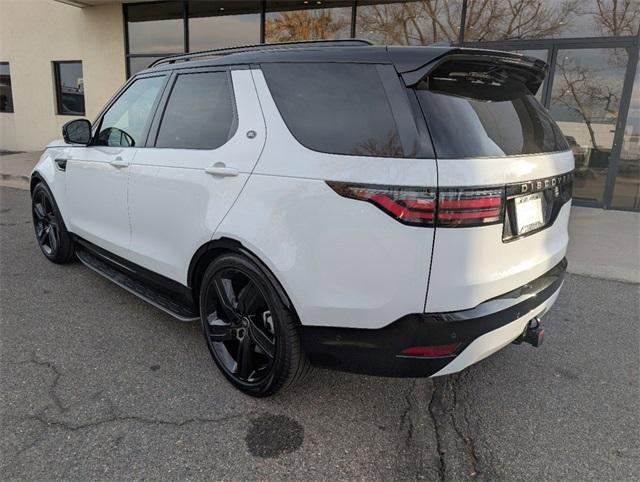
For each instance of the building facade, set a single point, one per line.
(65, 58)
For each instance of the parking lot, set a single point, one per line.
(96, 384)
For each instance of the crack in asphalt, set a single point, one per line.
(437, 440)
(112, 412)
(463, 432)
(436, 420)
(408, 460)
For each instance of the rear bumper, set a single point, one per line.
(478, 332)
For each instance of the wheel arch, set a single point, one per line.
(36, 178)
(208, 252)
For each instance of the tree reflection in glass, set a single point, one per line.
(585, 102)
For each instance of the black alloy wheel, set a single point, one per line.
(240, 326)
(252, 336)
(51, 234)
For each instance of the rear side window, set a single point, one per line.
(343, 108)
(199, 113)
(477, 116)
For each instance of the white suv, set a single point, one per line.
(398, 211)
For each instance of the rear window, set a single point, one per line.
(343, 108)
(470, 116)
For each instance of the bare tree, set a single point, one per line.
(304, 24)
(514, 19)
(617, 17)
(410, 23)
(428, 21)
(584, 93)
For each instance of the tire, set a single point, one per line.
(52, 236)
(252, 336)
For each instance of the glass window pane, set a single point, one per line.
(626, 193)
(532, 19)
(6, 96)
(136, 64)
(477, 125)
(155, 28)
(584, 101)
(336, 108)
(287, 21)
(214, 25)
(69, 88)
(408, 23)
(125, 123)
(199, 114)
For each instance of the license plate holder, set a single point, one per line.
(529, 213)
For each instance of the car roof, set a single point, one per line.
(404, 58)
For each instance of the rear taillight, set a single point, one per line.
(409, 205)
(470, 207)
(423, 206)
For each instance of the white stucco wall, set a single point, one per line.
(33, 34)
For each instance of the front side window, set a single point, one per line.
(199, 112)
(125, 123)
(6, 96)
(337, 108)
(69, 87)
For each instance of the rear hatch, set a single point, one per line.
(504, 174)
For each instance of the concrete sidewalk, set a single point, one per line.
(16, 168)
(604, 244)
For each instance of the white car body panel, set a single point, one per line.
(96, 202)
(371, 269)
(175, 205)
(352, 275)
(472, 265)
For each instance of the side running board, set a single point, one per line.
(181, 311)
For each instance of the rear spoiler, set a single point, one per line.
(415, 64)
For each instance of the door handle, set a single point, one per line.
(221, 169)
(119, 162)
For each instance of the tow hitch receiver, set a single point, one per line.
(533, 334)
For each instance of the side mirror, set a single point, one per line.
(77, 132)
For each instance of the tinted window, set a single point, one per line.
(472, 126)
(6, 97)
(69, 87)
(199, 113)
(336, 108)
(214, 25)
(125, 123)
(156, 28)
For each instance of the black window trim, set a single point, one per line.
(97, 124)
(58, 87)
(152, 136)
(12, 111)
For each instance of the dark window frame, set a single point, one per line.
(12, 110)
(58, 87)
(156, 123)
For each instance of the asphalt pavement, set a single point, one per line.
(96, 384)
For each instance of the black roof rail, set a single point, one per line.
(352, 42)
